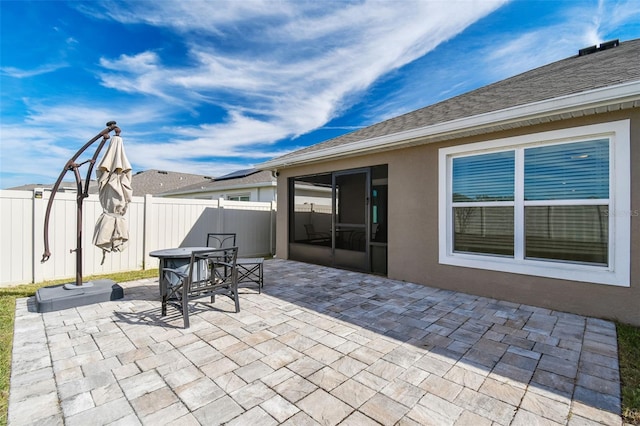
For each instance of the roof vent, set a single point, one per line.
(162, 172)
(595, 48)
(609, 44)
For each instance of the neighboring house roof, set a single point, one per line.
(158, 181)
(240, 179)
(598, 79)
(65, 186)
(151, 182)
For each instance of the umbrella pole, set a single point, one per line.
(82, 194)
(79, 200)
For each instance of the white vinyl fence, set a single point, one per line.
(154, 223)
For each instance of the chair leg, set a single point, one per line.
(236, 298)
(185, 309)
(164, 304)
(164, 293)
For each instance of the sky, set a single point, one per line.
(210, 87)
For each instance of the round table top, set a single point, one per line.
(178, 252)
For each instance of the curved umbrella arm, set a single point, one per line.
(72, 165)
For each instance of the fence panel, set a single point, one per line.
(252, 224)
(63, 239)
(16, 226)
(154, 223)
(175, 222)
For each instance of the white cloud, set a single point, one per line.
(40, 147)
(22, 73)
(578, 26)
(507, 51)
(276, 70)
(287, 79)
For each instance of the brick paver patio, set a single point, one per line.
(318, 346)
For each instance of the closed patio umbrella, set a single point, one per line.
(114, 188)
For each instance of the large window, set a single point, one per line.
(553, 204)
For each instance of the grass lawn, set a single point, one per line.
(629, 354)
(628, 345)
(8, 296)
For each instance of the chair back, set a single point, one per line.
(310, 229)
(209, 269)
(221, 240)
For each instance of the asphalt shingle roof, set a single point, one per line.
(211, 185)
(157, 181)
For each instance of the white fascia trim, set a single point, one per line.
(596, 98)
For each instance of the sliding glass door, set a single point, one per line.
(339, 219)
(351, 219)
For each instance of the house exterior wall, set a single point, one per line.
(413, 245)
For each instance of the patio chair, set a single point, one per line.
(314, 236)
(250, 269)
(208, 273)
(221, 240)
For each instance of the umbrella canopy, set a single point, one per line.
(114, 188)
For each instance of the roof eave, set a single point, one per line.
(626, 95)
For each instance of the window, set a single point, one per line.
(239, 198)
(552, 204)
(483, 188)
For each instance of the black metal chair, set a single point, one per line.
(314, 236)
(221, 240)
(209, 273)
(250, 269)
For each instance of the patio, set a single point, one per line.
(318, 346)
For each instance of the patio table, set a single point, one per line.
(173, 258)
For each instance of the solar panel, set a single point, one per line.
(238, 174)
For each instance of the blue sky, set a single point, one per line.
(209, 87)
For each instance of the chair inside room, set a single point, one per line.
(250, 269)
(316, 237)
(209, 273)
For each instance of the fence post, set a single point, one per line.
(220, 215)
(272, 226)
(147, 244)
(38, 210)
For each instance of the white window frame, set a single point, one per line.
(616, 273)
(236, 197)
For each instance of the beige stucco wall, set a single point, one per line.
(413, 231)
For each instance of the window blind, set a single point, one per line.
(572, 171)
(486, 177)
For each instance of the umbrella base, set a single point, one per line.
(74, 286)
(66, 296)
